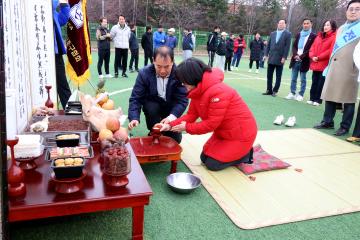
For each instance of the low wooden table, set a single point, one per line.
(147, 151)
(41, 200)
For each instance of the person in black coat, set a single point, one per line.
(221, 52)
(229, 52)
(212, 43)
(256, 49)
(277, 52)
(134, 49)
(158, 93)
(147, 45)
(103, 43)
(300, 60)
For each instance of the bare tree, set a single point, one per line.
(183, 13)
(252, 7)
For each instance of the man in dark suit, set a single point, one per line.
(300, 60)
(158, 93)
(277, 51)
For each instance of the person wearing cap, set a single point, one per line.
(171, 40)
(221, 52)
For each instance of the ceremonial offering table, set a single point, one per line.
(42, 201)
(162, 149)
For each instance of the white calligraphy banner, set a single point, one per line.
(39, 25)
(8, 46)
(29, 59)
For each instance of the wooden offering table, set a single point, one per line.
(166, 149)
(41, 200)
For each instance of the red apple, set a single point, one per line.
(113, 124)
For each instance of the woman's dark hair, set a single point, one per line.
(351, 2)
(164, 52)
(148, 28)
(101, 19)
(333, 26)
(191, 70)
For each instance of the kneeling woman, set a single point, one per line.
(222, 111)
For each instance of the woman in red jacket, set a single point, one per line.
(319, 55)
(222, 112)
(239, 46)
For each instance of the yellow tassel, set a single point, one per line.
(75, 79)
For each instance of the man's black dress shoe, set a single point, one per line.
(341, 131)
(324, 125)
(267, 93)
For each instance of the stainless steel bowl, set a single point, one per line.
(182, 182)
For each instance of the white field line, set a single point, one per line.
(247, 76)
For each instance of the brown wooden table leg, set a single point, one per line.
(173, 166)
(138, 223)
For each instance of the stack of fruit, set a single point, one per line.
(113, 131)
(105, 102)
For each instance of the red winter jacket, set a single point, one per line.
(322, 48)
(237, 42)
(222, 112)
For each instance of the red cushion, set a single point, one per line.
(262, 161)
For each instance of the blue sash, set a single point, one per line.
(350, 34)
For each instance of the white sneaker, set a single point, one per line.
(291, 121)
(290, 96)
(257, 71)
(109, 76)
(250, 71)
(299, 98)
(316, 104)
(279, 120)
(101, 76)
(310, 102)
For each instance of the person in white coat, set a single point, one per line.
(120, 34)
(356, 133)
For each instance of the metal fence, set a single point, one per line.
(200, 36)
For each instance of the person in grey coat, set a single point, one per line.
(277, 52)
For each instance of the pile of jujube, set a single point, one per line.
(116, 160)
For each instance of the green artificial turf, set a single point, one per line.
(197, 215)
